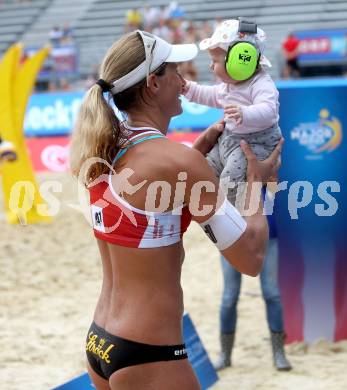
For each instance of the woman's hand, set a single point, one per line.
(208, 138)
(262, 170)
(214, 131)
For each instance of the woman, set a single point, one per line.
(136, 338)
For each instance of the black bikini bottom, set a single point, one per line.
(107, 353)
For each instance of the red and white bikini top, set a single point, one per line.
(116, 221)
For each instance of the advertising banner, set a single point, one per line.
(322, 46)
(52, 114)
(311, 209)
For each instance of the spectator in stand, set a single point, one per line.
(55, 35)
(177, 33)
(290, 50)
(205, 30)
(191, 33)
(217, 21)
(67, 34)
(151, 15)
(174, 11)
(64, 85)
(163, 13)
(188, 71)
(133, 19)
(162, 30)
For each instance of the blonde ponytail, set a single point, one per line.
(97, 132)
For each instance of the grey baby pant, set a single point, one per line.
(228, 161)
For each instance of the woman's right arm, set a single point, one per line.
(241, 240)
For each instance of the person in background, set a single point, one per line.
(151, 16)
(188, 71)
(133, 20)
(67, 34)
(191, 32)
(271, 296)
(205, 30)
(290, 50)
(55, 35)
(162, 30)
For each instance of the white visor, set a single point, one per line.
(157, 52)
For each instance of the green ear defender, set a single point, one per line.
(242, 61)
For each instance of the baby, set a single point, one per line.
(246, 93)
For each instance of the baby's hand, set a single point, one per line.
(233, 111)
(185, 86)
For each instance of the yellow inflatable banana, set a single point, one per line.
(23, 203)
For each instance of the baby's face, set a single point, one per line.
(217, 66)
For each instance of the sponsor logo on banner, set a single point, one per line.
(55, 158)
(52, 113)
(320, 137)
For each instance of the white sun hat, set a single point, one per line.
(227, 33)
(157, 52)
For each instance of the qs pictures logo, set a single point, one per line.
(320, 137)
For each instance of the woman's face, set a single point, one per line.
(171, 88)
(217, 66)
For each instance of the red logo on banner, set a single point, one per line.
(314, 45)
(55, 158)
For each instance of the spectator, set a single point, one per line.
(177, 33)
(217, 21)
(188, 71)
(162, 30)
(64, 85)
(151, 16)
(191, 35)
(205, 30)
(67, 34)
(174, 11)
(133, 20)
(290, 50)
(55, 35)
(163, 13)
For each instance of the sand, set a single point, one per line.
(50, 280)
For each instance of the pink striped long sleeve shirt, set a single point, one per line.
(257, 97)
